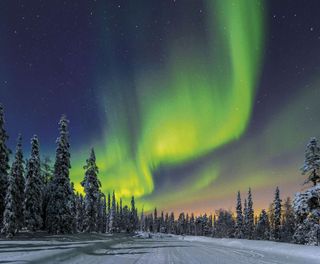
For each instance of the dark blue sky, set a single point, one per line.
(54, 55)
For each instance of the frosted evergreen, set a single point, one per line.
(239, 218)
(34, 188)
(277, 214)
(311, 164)
(91, 186)
(224, 225)
(263, 226)
(112, 214)
(4, 163)
(17, 171)
(14, 200)
(250, 216)
(59, 210)
(288, 221)
(306, 206)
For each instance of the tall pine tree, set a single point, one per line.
(311, 164)
(133, 216)
(239, 218)
(91, 185)
(288, 222)
(4, 164)
(10, 217)
(33, 190)
(250, 216)
(59, 209)
(112, 214)
(277, 214)
(14, 201)
(17, 169)
(245, 218)
(263, 227)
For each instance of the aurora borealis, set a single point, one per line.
(185, 102)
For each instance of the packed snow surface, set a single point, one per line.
(145, 248)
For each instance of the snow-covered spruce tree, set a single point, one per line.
(155, 221)
(180, 224)
(59, 209)
(166, 223)
(224, 226)
(245, 219)
(311, 164)
(4, 164)
(162, 226)
(171, 223)
(112, 214)
(277, 214)
(288, 221)
(306, 206)
(108, 211)
(91, 185)
(239, 218)
(250, 216)
(167, 220)
(206, 225)
(200, 222)
(263, 227)
(33, 190)
(188, 224)
(133, 216)
(17, 170)
(14, 201)
(9, 216)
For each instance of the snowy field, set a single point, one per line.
(158, 249)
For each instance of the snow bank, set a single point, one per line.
(306, 252)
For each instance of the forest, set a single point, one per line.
(36, 196)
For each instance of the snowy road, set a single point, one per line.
(156, 250)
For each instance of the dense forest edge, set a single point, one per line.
(35, 196)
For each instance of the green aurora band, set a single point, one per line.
(198, 101)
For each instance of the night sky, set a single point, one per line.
(185, 102)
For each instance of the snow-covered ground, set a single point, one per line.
(283, 249)
(155, 249)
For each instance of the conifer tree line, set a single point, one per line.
(37, 196)
(225, 224)
(295, 221)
